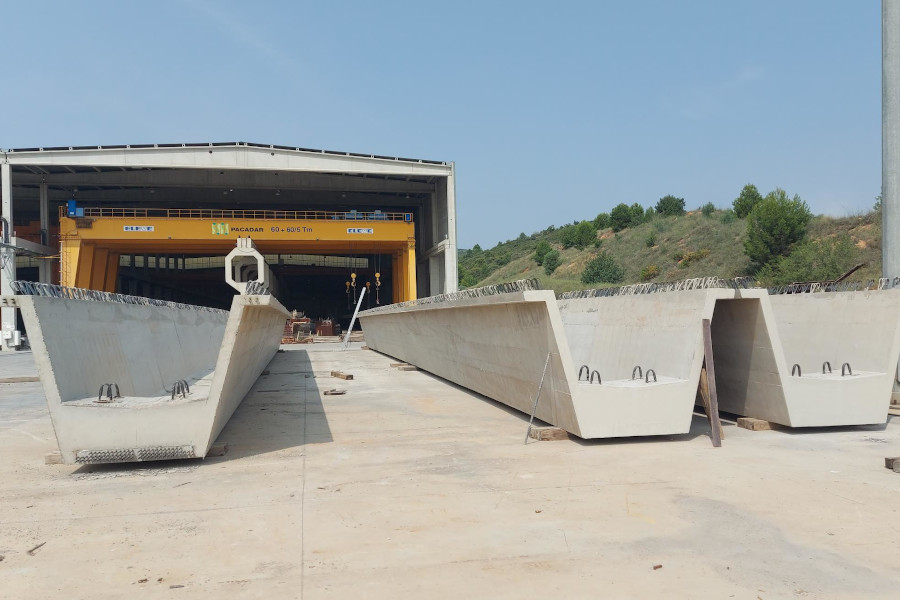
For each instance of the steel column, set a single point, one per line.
(7, 254)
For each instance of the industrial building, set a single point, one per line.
(157, 220)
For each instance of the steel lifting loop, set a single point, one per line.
(846, 370)
(795, 370)
(584, 369)
(647, 379)
(597, 373)
(180, 388)
(111, 390)
(637, 369)
(826, 364)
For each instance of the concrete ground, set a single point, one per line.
(408, 487)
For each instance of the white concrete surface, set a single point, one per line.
(758, 338)
(613, 335)
(80, 345)
(496, 345)
(409, 487)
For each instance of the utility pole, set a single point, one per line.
(890, 137)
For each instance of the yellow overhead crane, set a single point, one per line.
(92, 241)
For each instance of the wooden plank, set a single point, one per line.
(19, 379)
(408, 368)
(342, 375)
(712, 412)
(753, 424)
(548, 434)
(395, 365)
(335, 392)
(53, 458)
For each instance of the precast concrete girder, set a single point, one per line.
(603, 348)
(128, 379)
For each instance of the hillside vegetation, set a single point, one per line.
(655, 247)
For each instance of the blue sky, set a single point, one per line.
(552, 112)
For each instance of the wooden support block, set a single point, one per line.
(217, 449)
(548, 434)
(341, 375)
(335, 392)
(364, 348)
(753, 424)
(53, 458)
(395, 365)
(408, 368)
(892, 463)
(19, 379)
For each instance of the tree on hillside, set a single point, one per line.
(748, 198)
(551, 261)
(585, 234)
(620, 217)
(812, 260)
(670, 206)
(602, 269)
(601, 221)
(567, 236)
(541, 251)
(774, 225)
(637, 214)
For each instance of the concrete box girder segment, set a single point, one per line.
(496, 345)
(623, 338)
(758, 338)
(79, 345)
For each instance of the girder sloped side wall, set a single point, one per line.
(493, 345)
(252, 336)
(612, 335)
(748, 358)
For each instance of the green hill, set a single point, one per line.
(679, 247)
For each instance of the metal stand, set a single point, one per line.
(362, 293)
(538, 397)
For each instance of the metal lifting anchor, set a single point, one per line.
(584, 369)
(826, 364)
(647, 379)
(111, 390)
(180, 388)
(795, 370)
(597, 373)
(637, 369)
(849, 371)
